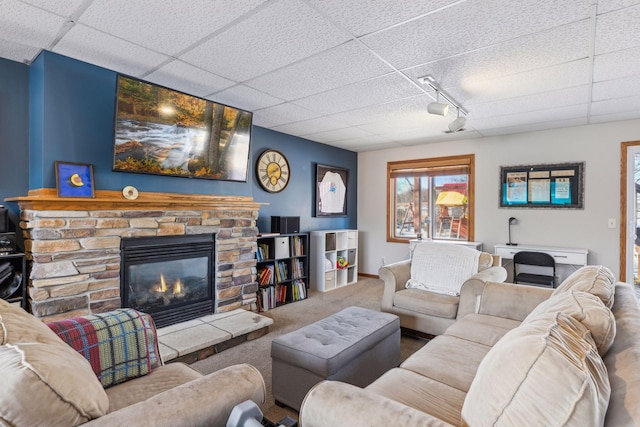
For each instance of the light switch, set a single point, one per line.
(612, 223)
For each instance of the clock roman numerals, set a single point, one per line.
(272, 170)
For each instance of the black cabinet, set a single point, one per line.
(282, 269)
(13, 279)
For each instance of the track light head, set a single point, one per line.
(438, 108)
(458, 124)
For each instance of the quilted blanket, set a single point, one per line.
(119, 345)
(442, 267)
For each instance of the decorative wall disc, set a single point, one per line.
(130, 192)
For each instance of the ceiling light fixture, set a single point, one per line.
(458, 124)
(438, 107)
(442, 109)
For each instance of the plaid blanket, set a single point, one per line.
(119, 345)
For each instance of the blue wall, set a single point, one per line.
(72, 119)
(14, 133)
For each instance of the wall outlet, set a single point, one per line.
(612, 223)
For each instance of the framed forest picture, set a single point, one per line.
(165, 132)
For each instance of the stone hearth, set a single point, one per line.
(74, 245)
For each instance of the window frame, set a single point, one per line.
(466, 160)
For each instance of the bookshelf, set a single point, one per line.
(282, 269)
(328, 247)
(13, 288)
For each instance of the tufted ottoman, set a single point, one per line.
(355, 345)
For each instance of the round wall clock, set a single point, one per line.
(272, 169)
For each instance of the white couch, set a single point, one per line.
(525, 356)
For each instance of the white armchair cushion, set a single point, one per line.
(442, 268)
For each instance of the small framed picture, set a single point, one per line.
(74, 179)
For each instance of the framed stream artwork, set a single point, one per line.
(165, 132)
(557, 185)
(74, 179)
(331, 191)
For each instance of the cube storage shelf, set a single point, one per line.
(282, 269)
(328, 247)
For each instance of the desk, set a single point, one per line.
(563, 256)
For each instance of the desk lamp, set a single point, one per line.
(512, 221)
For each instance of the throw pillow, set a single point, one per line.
(116, 343)
(586, 309)
(442, 268)
(546, 372)
(595, 279)
(38, 369)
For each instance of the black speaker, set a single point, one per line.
(4, 220)
(285, 224)
(7, 243)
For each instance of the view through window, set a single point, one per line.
(431, 199)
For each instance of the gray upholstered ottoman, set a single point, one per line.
(355, 345)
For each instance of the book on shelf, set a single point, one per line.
(267, 298)
(297, 268)
(263, 252)
(282, 273)
(266, 275)
(298, 246)
(298, 290)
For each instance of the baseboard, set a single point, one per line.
(371, 276)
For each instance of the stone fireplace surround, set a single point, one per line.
(73, 245)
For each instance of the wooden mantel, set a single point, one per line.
(47, 199)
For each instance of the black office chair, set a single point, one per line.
(538, 259)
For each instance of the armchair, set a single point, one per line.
(436, 273)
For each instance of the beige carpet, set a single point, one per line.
(366, 293)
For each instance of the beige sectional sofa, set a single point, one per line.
(45, 382)
(521, 356)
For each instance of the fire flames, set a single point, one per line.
(162, 287)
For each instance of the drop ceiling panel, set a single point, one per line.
(605, 6)
(535, 127)
(168, 29)
(95, 47)
(27, 25)
(416, 105)
(535, 102)
(618, 30)
(613, 106)
(471, 25)
(369, 92)
(189, 79)
(619, 88)
(282, 114)
(261, 43)
(337, 134)
(542, 80)
(625, 115)
(543, 116)
(340, 66)
(305, 127)
(362, 17)
(616, 65)
(556, 46)
(59, 7)
(244, 97)
(17, 52)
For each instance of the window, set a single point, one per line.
(430, 198)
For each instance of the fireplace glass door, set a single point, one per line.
(170, 278)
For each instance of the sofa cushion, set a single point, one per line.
(511, 387)
(485, 261)
(421, 393)
(36, 366)
(586, 309)
(118, 344)
(442, 268)
(595, 279)
(449, 360)
(426, 302)
(481, 329)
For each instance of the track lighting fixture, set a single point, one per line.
(458, 124)
(438, 107)
(442, 108)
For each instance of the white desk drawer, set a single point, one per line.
(561, 255)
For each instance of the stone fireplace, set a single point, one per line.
(74, 245)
